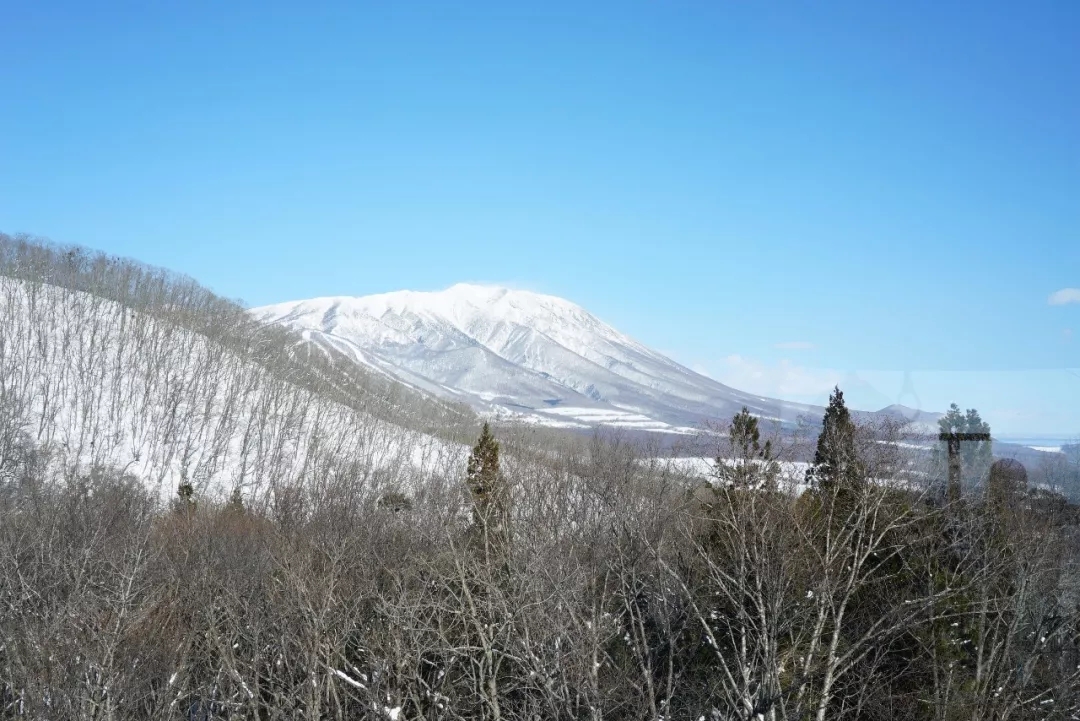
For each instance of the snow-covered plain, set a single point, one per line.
(792, 475)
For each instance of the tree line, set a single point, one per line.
(578, 581)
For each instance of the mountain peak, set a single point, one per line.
(458, 303)
(529, 355)
(899, 408)
(521, 353)
(488, 294)
(536, 357)
(488, 289)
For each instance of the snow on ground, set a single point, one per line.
(1043, 443)
(583, 419)
(912, 446)
(792, 477)
(98, 384)
(792, 473)
(613, 417)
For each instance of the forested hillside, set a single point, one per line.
(105, 363)
(204, 518)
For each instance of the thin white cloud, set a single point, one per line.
(1035, 403)
(1065, 296)
(795, 345)
(778, 380)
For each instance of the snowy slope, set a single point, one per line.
(97, 384)
(513, 352)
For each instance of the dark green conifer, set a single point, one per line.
(751, 464)
(836, 465)
(185, 493)
(487, 487)
(235, 506)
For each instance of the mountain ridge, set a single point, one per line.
(525, 355)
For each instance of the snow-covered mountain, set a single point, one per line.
(519, 353)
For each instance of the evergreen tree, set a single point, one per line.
(975, 456)
(235, 506)
(750, 464)
(836, 465)
(185, 497)
(487, 487)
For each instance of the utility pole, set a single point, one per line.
(953, 440)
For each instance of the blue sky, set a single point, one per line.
(783, 195)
